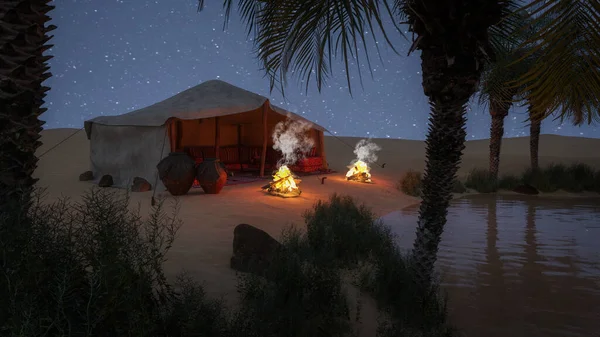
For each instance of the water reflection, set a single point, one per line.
(519, 267)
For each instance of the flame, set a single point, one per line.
(284, 183)
(283, 180)
(359, 171)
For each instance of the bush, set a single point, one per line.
(458, 187)
(94, 268)
(509, 182)
(302, 294)
(481, 181)
(341, 232)
(352, 234)
(299, 296)
(410, 184)
(579, 178)
(574, 178)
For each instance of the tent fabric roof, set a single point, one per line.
(208, 99)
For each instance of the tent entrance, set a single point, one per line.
(242, 141)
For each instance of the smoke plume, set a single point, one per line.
(290, 137)
(366, 151)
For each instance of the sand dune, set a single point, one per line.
(204, 243)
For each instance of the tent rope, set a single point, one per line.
(162, 151)
(58, 144)
(352, 147)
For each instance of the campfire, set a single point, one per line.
(284, 184)
(359, 171)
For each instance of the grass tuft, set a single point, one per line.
(481, 181)
(410, 184)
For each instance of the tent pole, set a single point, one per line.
(322, 149)
(217, 137)
(263, 157)
(239, 144)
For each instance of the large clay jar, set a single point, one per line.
(211, 175)
(177, 172)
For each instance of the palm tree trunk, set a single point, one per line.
(496, 134)
(23, 70)
(449, 89)
(534, 140)
(498, 112)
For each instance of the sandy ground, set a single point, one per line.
(204, 242)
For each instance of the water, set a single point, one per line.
(515, 266)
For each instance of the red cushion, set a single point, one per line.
(310, 161)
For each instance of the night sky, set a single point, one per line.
(115, 56)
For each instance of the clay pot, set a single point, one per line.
(177, 172)
(211, 175)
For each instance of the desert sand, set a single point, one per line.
(204, 242)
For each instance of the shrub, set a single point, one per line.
(93, 268)
(299, 296)
(410, 184)
(545, 180)
(342, 232)
(352, 234)
(578, 178)
(458, 187)
(509, 182)
(481, 181)
(302, 294)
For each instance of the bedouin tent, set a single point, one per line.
(212, 114)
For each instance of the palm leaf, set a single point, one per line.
(303, 37)
(565, 79)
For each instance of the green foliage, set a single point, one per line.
(410, 184)
(299, 296)
(509, 182)
(458, 187)
(94, 268)
(341, 231)
(481, 181)
(302, 294)
(574, 178)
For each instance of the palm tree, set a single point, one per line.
(23, 69)
(524, 72)
(498, 94)
(564, 80)
(301, 36)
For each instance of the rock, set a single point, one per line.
(106, 181)
(86, 176)
(253, 249)
(140, 185)
(526, 189)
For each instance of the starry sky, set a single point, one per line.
(115, 56)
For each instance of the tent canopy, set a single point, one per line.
(212, 114)
(212, 98)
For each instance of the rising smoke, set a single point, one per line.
(290, 137)
(366, 151)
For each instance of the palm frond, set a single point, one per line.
(303, 37)
(565, 79)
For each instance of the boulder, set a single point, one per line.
(253, 249)
(86, 176)
(106, 181)
(140, 185)
(526, 189)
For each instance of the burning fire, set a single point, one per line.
(359, 171)
(284, 183)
